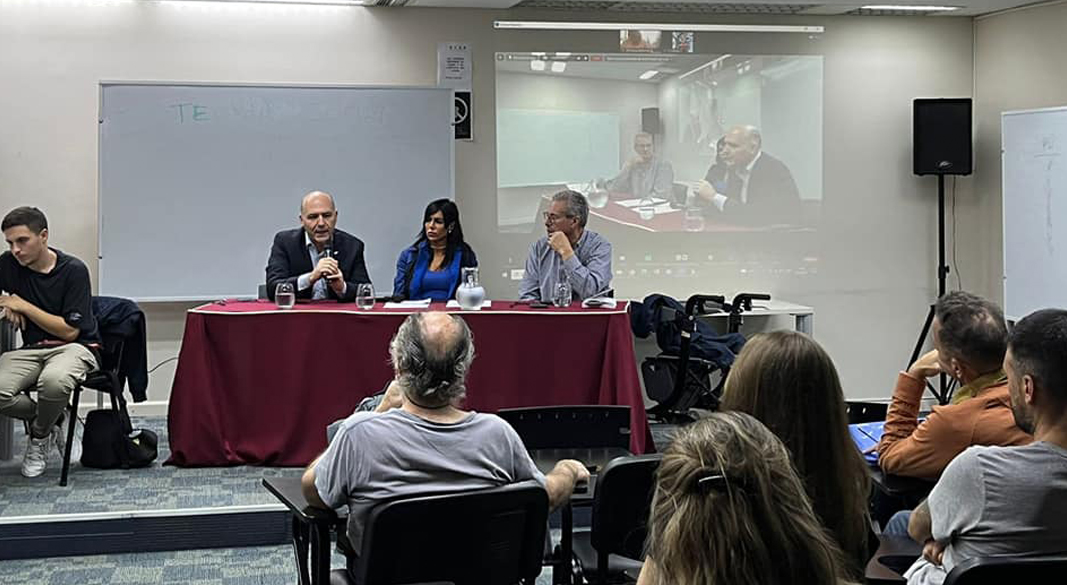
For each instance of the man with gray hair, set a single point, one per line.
(645, 175)
(419, 441)
(568, 253)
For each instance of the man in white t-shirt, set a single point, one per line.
(1006, 501)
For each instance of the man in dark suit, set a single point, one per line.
(754, 187)
(319, 260)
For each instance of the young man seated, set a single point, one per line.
(47, 295)
(1007, 501)
(970, 338)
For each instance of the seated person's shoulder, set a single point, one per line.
(363, 422)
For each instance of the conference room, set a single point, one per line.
(169, 141)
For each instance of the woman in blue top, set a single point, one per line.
(430, 268)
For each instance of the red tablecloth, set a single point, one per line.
(257, 385)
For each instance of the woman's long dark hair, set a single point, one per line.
(789, 383)
(455, 243)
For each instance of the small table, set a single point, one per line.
(898, 486)
(803, 315)
(594, 459)
(310, 528)
(891, 547)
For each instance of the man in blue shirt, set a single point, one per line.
(569, 251)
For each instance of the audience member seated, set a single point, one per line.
(319, 260)
(48, 296)
(1007, 501)
(970, 338)
(788, 382)
(729, 508)
(644, 175)
(569, 252)
(422, 443)
(430, 268)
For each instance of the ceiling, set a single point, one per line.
(622, 7)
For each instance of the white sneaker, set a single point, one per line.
(33, 461)
(59, 435)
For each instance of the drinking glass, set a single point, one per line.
(284, 295)
(365, 296)
(694, 219)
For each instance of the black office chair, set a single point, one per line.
(494, 536)
(615, 542)
(998, 570)
(107, 379)
(570, 427)
(863, 412)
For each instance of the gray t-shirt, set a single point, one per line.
(997, 501)
(376, 457)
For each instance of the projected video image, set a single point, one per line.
(662, 142)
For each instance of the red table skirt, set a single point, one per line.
(257, 385)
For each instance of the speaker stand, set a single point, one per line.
(943, 393)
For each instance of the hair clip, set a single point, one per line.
(715, 482)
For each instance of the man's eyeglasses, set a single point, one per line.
(553, 217)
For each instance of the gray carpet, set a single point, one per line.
(242, 566)
(152, 488)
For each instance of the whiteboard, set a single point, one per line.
(1034, 159)
(195, 179)
(555, 147)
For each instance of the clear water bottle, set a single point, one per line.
(470, 294)
(562, 295)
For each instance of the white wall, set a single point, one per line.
(1019, 65)
(875, 271)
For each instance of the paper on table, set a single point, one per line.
(637, 202)
(454, 304)
(421, 304)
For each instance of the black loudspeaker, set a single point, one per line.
(650, 120)
(942, 136)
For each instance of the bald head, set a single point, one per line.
(319, 218)
(740, 145)
(431, 354)
(316, 198)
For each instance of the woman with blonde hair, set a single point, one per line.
(788, 382)
(730, 510)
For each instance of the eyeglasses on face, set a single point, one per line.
(552, 217)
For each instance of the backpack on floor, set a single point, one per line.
(109, 442)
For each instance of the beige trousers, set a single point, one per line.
(53, 372)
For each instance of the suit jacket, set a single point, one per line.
(289, 259)
(772, 195)
(123, 319)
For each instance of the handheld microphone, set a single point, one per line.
(329, 252)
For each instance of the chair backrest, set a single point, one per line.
(565, 427)
(998, 570)
(621, 505)
(484, 537)
(117, 319)
(863, 412)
